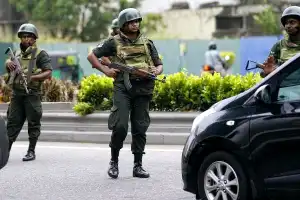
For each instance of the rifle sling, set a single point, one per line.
(31, 63)
(127, 82)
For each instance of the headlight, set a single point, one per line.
(188, 145)
(199, 118)
(195, 129)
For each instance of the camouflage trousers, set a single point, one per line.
(24, 107)
(135, 105)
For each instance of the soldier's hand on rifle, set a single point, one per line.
(269, 65)
(112, 73)
(11, 66)
(154, 70)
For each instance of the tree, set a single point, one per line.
(279, 5)
(60, 16)
(94, 27)
(86, 20)
(268, 20)
(152, 23)
(128, 4)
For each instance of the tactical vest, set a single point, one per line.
(24, 60)
(136, 54)
(287, 51)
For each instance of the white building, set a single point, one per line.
(155, 6)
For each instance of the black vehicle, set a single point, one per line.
(248, 146)
(4, 154)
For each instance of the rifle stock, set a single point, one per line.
(132, 70)
(17, 71)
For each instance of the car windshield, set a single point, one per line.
(292, 80)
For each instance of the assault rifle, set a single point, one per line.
(132, 70)
(17, 71)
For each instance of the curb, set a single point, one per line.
(104, 137)
(156, 117)
(166, 128)
(48, 106)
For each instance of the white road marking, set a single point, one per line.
(94, 148)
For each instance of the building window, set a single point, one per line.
(223, 23)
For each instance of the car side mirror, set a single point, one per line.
(263, 94)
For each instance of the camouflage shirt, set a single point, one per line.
(283, 50)
(43, 62)
(108, 49)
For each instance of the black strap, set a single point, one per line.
(31, 63)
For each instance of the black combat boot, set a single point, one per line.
(138, 170)
(29, 156)
(113, 170)
(31, 151)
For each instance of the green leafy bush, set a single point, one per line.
(83, 108)
(97, 91)
(181, 92)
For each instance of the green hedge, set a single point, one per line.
(181, 92)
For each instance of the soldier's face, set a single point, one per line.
(292, 26)
(133, 26)
(27, 39)
(115, 31)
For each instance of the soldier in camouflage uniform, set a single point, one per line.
(22, 105)
(288, 47)
(115, 31)
(115, 27)
(129, 47)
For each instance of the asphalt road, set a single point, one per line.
(68, 171)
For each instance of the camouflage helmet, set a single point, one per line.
(292, 11)
(28, 28)
(115, 23)
(129, 14)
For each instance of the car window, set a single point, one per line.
(289, 89)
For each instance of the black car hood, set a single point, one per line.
(233, 101)
(223, 103)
